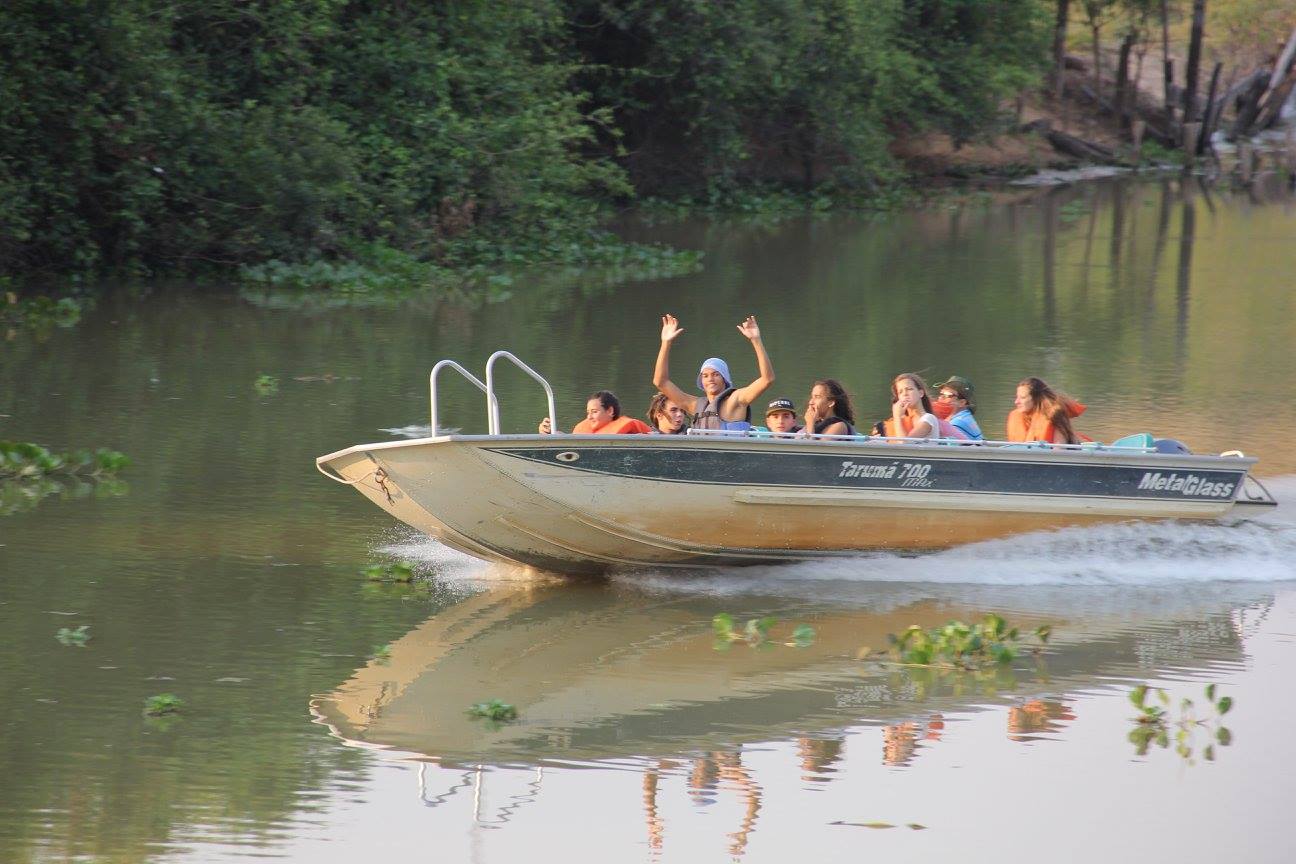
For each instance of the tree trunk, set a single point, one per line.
(1122, 79)
(1167, 65)
(1097, 57)
(1059, 46)
(1194, 60)
(1208, 128)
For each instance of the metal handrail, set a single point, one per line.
(432, 385)
(492, 403)
(1088, 447)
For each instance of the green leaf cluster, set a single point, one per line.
(963, 646)
(39, 312)
(400, 571)
(756, 632)
(73, 637)
(1154, 724)
(494, 711)
(162, 704)
(24, 460)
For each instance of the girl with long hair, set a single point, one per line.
(1043, 414)
(911, 409)
(829, 410)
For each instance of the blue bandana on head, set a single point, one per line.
(718, 365)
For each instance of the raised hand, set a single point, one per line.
(670, 328)
(811, 416)
(749, 329)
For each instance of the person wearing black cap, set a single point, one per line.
(780, 417)
(954, 395)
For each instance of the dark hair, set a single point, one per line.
(1053, 404)
(922, 385)
(841, 399)
(657, 408)
(608, 400)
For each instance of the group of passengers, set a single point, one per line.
(1040, 413)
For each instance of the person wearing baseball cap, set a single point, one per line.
(956, 403)
(780, 417)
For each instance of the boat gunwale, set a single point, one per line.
(762, 445)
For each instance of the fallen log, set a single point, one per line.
(1248, 108)
(1277, 97)
(1070, 145)
(1284, 61)
(1151, 115)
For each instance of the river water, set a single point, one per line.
(225, 570)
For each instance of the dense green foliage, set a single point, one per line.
(163, 135)
(713, 94)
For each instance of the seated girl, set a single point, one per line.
(602, 417)
(828, 410)
(911, 409)
(1043, 414)
(666, 417)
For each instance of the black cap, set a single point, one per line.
(780, 405)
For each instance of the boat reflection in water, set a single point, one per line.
(611, 674)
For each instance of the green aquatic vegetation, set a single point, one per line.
(71, 637)
(756, 633)
(24, 460)
(40, 312)
(962, 646)
(266, 385)
(399, 571)
(1155, 724)
(163, 704)
(469, 274)
(381, 654)
(494, 711)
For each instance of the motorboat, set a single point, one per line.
(580, 504)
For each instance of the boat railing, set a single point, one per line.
(432, 386)
(487, 387)
(492, 404)
(1086, 447)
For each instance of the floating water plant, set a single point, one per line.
(266, 385)
(756, 632)
(39, 313)
(494, 710)
(23, 460)
(401, 571)
(961, 646)
(77, 637)
(162, 704)
(1154, 723)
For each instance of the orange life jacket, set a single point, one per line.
(1039, 428)
(621, 426)
(906, 430)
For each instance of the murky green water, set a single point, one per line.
(227, 570)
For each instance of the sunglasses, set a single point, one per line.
(949, 396)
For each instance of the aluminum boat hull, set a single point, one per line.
(593, 503)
